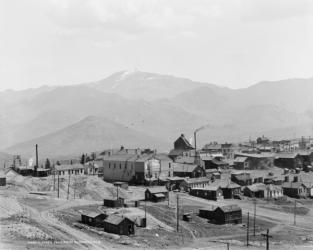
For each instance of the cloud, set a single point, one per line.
(273, 10)
(132, 16)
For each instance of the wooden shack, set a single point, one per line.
(94, 219)
(209, 192)
(156, 194)
(119, 225)
(207, 212)
(229, 214)
(118, 202)
(3, 179)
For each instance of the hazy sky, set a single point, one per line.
(231, 43)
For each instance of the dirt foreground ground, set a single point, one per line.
(42, 221)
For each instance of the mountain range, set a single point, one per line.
(140, 109)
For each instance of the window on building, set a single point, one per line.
(114, 165)
(120, 166)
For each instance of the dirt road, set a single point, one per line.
(76, 239)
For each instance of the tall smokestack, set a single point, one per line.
(36, 158)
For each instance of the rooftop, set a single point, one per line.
(155, 190)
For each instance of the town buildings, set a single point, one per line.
(65, 170)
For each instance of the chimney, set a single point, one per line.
(286, 171)
(35, 168)
(295, 178)
(297, 170)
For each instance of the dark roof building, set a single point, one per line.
(294, 189)
(187, 170)
(222, 215)
(156, 194)
(119, 225)
(209, 192)
(94, 219)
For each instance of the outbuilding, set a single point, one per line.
(156, 194)
(119, 225)
(118, 202)
(209, 192)
(3, 179)
(228, 214)
(94, 219)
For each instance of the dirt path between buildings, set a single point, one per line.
(75, 238)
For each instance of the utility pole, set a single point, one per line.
(227, 244)
(53, 180)
(177, 214)
(168, 200)
(267, 239)
(117, 192)
(254, 217)
(68, 186)
(248, 230)
(58, 184)
(146, 211)
(294, 213)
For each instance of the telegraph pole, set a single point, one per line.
(294, 213)
(254, 217)
(53, 180)
(248, 230)
(267, 239)
(177, 214)
(68, 186)
(58, 184)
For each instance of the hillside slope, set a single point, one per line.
(88, 135)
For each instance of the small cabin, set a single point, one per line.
(156, 194)
(119, 225)
(94, 219)
(118, 202)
